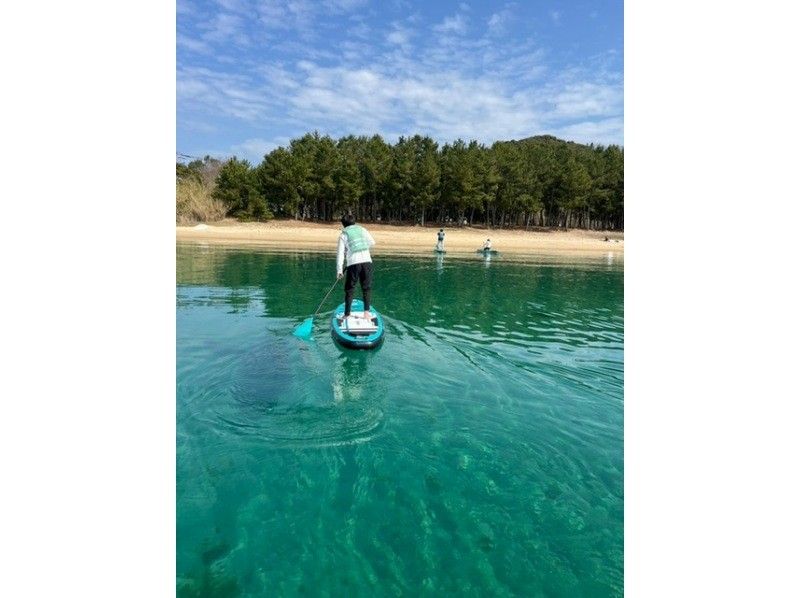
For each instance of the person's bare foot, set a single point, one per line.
(368, 315)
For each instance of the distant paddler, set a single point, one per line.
(440, 240)
(487, 246)
(353, 248)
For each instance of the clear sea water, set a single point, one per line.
(478, 452)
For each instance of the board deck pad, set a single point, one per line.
(356, 331)
(359, 325)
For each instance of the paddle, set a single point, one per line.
(304, 330)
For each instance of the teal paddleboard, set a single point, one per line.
(358, 334)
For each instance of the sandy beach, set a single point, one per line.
(314, 236)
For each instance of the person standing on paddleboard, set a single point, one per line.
(354, 244)
(440, 240)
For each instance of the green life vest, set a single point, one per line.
(356, 238)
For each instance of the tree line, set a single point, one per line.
(541, 181)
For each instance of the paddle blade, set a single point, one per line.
(304, 330)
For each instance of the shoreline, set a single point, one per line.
(294, 235)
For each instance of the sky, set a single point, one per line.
(254, 74)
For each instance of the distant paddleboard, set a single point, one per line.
(357, 332)
(487, 251)
(439, 251)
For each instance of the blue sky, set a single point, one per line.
(254, 74)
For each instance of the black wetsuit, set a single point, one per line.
(354, 274)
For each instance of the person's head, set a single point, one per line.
(487, 240)
(441, 230)
(348, 220)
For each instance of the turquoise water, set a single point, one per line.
(478, 452)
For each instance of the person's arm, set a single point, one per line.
(340, 256)
(370, 240)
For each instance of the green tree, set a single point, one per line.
(278, 181)
(304, 152)
(401, 177)
(348, 184)
(424, 188)
(484, 175)
(541, 180)
(375, 165)
(575, 186)
(457, 182)
(237, 187)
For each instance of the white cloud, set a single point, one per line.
(556, 16)
(343, 5)
(200, 127)
(305, 65)
(301, 14)
(360, 30)
(354, 52)
(449, 86)
(454, 24)
(400, 35)
(503, 101)
(254, 149)
(506, 98)
(291, 14)
(397, 37)
(189, 88)
(498, 22)
(224, 27)
(240, 6)
(231, 95)
(444, 105)
(192, 45)
(277, 76)
(271, 13)
(586, 99)
(300, 10)
(608, 131)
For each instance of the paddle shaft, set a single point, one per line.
(325, 297)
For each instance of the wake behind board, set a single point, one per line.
(357, 333)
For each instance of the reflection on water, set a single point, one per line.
(478, 451)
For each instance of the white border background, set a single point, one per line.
(711, 326)
(88, 321)
(88, 253)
